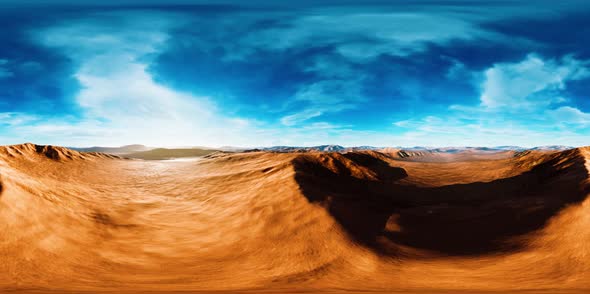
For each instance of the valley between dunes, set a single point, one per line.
(294, 222)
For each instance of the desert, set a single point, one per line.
(309, 146)
(312, 221)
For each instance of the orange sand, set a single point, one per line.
(359, 221)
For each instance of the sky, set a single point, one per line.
(300, 73)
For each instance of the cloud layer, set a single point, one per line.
(354, 74)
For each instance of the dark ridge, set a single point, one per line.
(52, 152)
(522, 153)
(460, 219)
(406, 154)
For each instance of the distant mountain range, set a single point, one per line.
(145, 152)
(338, 148)
(321, 148)
(114, 150)
(150, 153)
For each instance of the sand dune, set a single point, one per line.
(259, 221)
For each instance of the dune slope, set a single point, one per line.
(307, 221)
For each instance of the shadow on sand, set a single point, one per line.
(462, 219)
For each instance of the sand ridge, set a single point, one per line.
(360, 220)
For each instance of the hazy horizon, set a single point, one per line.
(262, 73)
(301, 146)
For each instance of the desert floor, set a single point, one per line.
(294, 222)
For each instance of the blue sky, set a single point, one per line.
(261, 73)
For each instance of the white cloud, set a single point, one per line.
(120, 101)
(131, 91)
(569, 115)
(521, 104)
(16, 118)
(530, 83)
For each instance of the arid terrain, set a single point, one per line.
(374, 221)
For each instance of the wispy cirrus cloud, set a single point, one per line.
(363, 36)
(335, 46)
(326, 96)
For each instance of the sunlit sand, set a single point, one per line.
(280, 222)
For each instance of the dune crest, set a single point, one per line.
(308, 221)
(49, 151)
